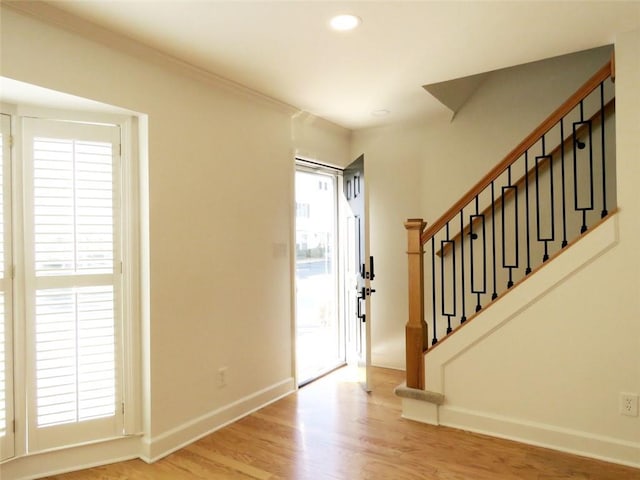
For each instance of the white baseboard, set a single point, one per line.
(168, 442)
(80, 457)
(420, 411)
(127, 448)
(543, 435)
(390, 366)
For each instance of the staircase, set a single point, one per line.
(538, 217)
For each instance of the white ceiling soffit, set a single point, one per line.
(453, 94)
(286, 50)
(24, 94)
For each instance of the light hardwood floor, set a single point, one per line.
(332, 430)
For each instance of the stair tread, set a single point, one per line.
(415, 394)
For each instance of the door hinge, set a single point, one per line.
(121, 268)
(13, 272)
(10, 141)
(122, 408)
(120, 149)
(14, 426)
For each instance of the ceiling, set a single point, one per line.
(285, 50)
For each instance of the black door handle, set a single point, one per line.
(370, 274)
(359, 314)
(362, 294)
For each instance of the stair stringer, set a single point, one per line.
(513, 302)
(497, 316)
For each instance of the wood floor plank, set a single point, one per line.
(332, 430)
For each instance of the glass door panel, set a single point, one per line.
(319, 331)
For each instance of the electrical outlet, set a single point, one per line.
(629, 404)
(222, 377)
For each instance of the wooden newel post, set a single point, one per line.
(416, 328)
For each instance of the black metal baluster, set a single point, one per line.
(494, 295)
(433, 288)
(464, 313)
(604, 168)
(580, 145)
(526, 204)
(444, 245)
(472, 249)
(514, 264)
(564, 199)
(551, 236)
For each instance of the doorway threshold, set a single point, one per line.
(321, 375)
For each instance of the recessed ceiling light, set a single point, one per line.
(380, 113)
(344, 22)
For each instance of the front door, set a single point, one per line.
(319, 325)
(358, 271)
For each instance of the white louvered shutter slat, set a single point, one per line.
(75, 292)
(75, 354)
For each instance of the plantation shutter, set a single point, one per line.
(6, 356)
(73, 281)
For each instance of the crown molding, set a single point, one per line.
(52, 15)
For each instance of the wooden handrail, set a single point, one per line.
(613, 66)
(591, 84)
(416, 334)
(519, 282)
(609, 108)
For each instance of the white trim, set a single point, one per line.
(312, 167)
(387, 366)
(71, 116)
(543, 435)
(130, 253)
(71, 459)
(8, 109)
(293, 327)
(32, 98)
(182, 435)
(128, 131)
(19, 300)
(606, 448)
(51, 15)
(7, 440)
(420, 411)
(567, 440)
(144, 306)
(39, 438)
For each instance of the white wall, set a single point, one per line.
(534, 250)
(319, 140)
(505, 108)
(546, 365)
(420, 169)
(220, 225)
(392, 158)
(220, 177)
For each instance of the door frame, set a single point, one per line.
(302, 163)
(311, 166)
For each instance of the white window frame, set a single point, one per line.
(7, 442)
(130, 237)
